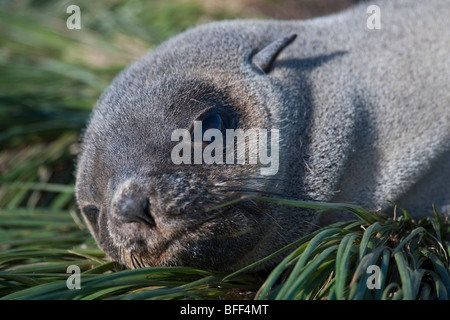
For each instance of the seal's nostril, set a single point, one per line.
(146, 214)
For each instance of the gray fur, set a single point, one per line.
(364, 117)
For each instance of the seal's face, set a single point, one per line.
(146, 208)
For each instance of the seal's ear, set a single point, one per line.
(264, 58)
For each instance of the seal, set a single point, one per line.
(362, 115)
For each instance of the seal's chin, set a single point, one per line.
(212, 254)
(223, 242)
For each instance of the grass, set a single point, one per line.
(331, 263)
(50, 77)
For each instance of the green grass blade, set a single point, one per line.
(292, 286)
(405, 276)
(342, 261)
(442, 270)
(366, 238)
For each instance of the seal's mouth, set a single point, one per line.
(162, 247)
(220, 241)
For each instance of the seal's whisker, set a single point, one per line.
(132, 260)
(278, 230)
(135, 261)
(261, 192)
(251, 178)
(140, 259)
(243, 188)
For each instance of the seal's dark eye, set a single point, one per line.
(213, 121)
(211, 124)
(91, 213)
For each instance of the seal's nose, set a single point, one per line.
(131, 211)
(129, 206)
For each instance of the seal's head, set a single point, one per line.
(144, 209)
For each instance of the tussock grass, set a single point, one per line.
(51, 77)
(333, 262)
(330, 263)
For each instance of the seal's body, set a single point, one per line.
(363, 117)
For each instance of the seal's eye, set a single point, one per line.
(214, 121)
(92, 213)
(211, 125)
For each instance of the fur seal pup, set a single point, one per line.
(363, 117)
